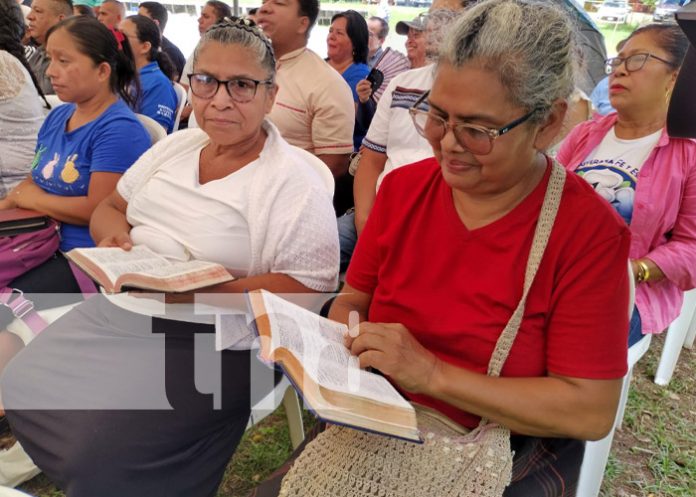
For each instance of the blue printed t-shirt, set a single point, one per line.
(353, 75)
(613, 167)
(158, 99)
(64, 160)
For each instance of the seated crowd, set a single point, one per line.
(466, 145)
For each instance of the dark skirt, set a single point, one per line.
(112, 403)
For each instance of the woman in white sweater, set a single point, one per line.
(129, 368)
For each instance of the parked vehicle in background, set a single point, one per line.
(665, 9)
(614, 11)
(414, 3)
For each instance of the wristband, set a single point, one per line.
(643, 271)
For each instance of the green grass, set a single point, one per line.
(614, 33)
(655, 452)
(263, 449)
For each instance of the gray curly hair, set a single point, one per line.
(243, 33)
(530, 44)
(438, 23)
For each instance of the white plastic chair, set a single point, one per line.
(192, 123)
(680, 334)
(597, 453)
(11, 492)
(283, 392)
(54, 101)
(690, 336)
(321, 168)
(155, 129)
(180, 103)
(16, 467)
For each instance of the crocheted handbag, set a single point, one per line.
(452, 461)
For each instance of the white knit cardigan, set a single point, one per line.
(292, 225)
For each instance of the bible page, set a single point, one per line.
(115, 261)
(317, 343)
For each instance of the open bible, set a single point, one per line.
(114, 268)
(310, 351)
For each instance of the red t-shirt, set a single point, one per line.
(455, 289)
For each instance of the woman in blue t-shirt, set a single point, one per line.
(347, 48)
(157, 99)
(83, 148)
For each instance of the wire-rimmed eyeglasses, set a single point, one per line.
(475, 138)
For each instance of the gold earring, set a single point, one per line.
(668, 95)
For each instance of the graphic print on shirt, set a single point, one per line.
(614, 180)
(38, 156)
(70, 173)
(64, 174)
(47, 170)
(406, 97)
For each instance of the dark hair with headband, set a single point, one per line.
(244, 33)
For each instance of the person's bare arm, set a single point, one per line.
(109, 227)
(365, 186)
(654, 270)
(338, 163)
(74, 210)
(550, 406)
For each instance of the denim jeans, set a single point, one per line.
(347, 237)
(635, 332)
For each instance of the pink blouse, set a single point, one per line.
(663, 226)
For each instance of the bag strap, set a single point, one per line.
(87, 286)
(22, 309)
(547, 216)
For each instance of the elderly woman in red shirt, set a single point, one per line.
(440, 267)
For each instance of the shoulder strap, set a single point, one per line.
(22, 309)
(547, 216)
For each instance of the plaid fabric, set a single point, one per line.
(545, 467)
(542, 467)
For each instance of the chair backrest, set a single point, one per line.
(631, 290)
(320, 167)
(11, 492)
(192, 123)
(181, 103)
(54, 101)
(156, 131)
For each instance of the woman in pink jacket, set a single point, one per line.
(647, 176)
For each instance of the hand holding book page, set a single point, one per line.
(140, 267)
(312, 353)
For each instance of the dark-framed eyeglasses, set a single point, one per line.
(632, 63)
(475, 138)
(241, 90)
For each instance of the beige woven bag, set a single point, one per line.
(452, 461)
